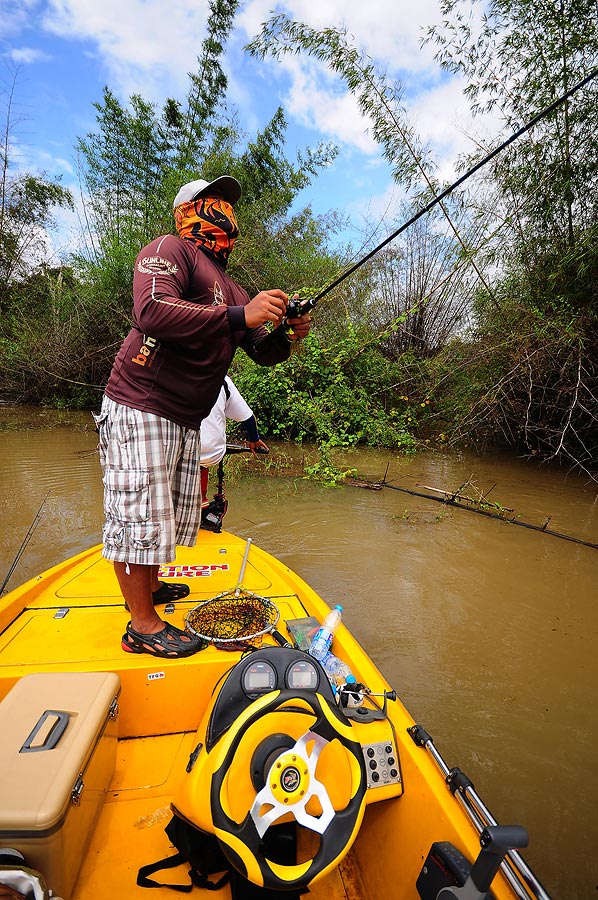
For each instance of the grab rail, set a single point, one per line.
(461, 786)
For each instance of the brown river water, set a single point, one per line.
(488, 631)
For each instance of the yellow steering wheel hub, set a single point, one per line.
(289, 778)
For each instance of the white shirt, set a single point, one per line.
(213, 428)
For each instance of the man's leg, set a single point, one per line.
(140, 520)
(155, 583)
(136, 586)
(204, 476)
(136, 583)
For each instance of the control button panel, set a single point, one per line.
(382, 764)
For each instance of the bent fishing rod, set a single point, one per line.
(297, 307)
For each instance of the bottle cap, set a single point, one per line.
(339, 607)
(350, 679)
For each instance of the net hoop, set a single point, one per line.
(232, 616)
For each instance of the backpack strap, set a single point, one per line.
(171, 862)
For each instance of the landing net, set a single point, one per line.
(232, 617)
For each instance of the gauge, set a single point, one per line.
(259, 678)
(302, 675)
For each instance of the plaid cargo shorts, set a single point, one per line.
(152, 495)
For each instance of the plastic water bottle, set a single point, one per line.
(322, 641)
(338, 671)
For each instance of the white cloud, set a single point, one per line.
(149, 47)
(391, 34)
(442, 118)
(16, 15)
(377, 219)
(319, 105)
(389, 30)
(27, 55)
(146, 46)
(46, 161)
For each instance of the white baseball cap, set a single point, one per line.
(228, 186)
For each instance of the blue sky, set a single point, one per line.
(67, 50)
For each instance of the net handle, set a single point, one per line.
(243, 564)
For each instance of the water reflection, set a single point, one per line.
(487, 631)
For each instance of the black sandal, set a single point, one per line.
(167, 593)
(168, 643)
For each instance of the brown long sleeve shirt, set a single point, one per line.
(188, 320)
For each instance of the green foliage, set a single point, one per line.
(49, 354)
(378, 98)
(527, 375)
(325, 470)
(139, 155)
(539, 52)
(380, 367)
(207, 93)
(339, 395)
(381, 102)
(530, 385)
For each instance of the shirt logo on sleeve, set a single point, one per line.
(156, 265)
(218, 295)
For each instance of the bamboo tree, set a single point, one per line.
(521, 56)
(207, 92)
(379, 99)
(532, 366)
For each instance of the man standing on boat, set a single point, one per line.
(189, 317)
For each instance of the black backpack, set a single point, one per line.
(202, 852)
(199, 850)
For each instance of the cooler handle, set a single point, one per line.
(54, 734)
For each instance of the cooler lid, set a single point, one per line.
(50, 724)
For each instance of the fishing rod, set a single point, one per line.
(297, 307)
(23, 546)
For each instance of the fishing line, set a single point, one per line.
(306, 305)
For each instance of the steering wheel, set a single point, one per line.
(290, 784)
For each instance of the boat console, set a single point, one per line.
(275, 748)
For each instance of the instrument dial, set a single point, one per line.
(259, 678)
(302, 675)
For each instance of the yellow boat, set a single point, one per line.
(287, 784)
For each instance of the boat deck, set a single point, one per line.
(71, 618)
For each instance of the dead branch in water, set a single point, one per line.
(475, 506)
(480, 500)
(362, 483)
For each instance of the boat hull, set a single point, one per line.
(71, 618)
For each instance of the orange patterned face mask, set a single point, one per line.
(211, 222)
